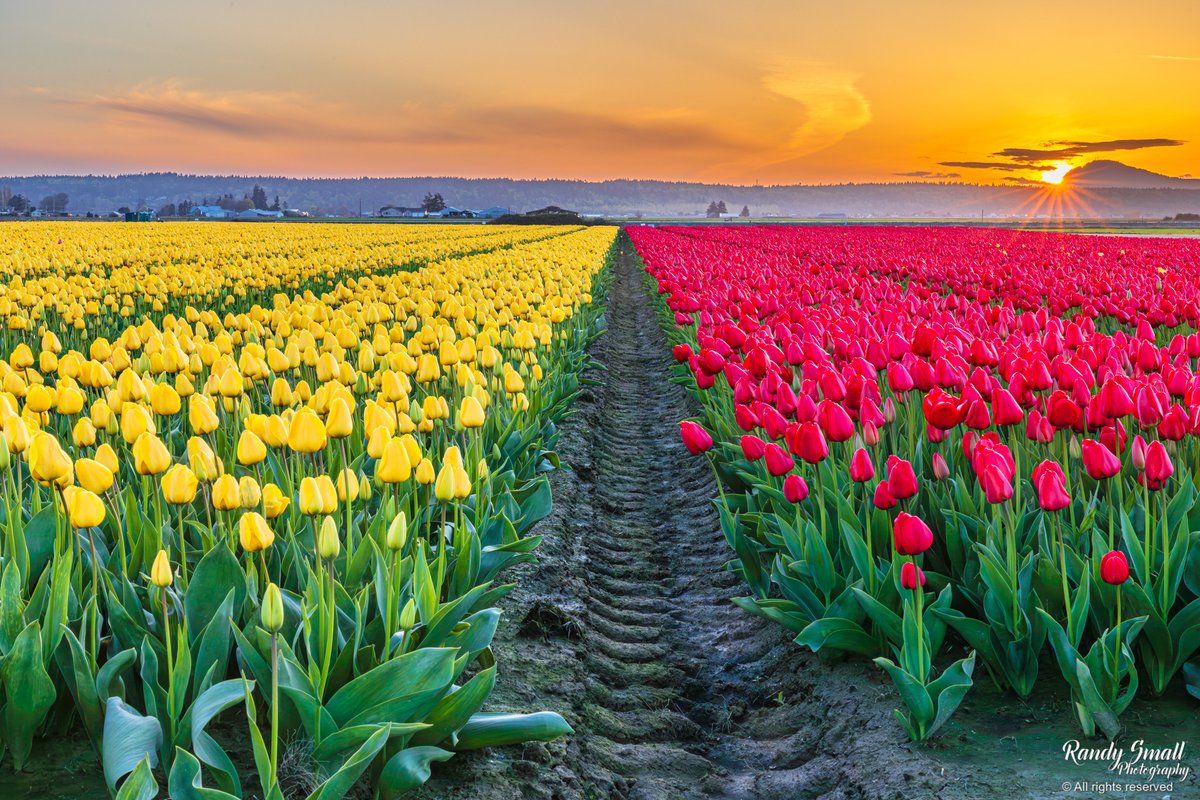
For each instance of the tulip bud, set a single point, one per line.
(911, 576)
(272, 609)
(328, 544)
(160, 571)
(695, 438)
(274, 501)
(249, 491)
(408, 617)
(941, 470)
(1114, 569)
(397, 532)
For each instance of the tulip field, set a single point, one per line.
(967, 455)
(261, 484)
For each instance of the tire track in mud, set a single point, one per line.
(625, 626)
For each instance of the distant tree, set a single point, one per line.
(711, 212)
(5, 195)
(745, 212)
(228, 203)
(184, 208)
(276, 206)
(169, 210)
(124, 210)
(19, 203)
(259, 197)
(245, 204)
(721, 209)
(432, 203)
(55, 203)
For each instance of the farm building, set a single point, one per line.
(211, 212)
(401, 211)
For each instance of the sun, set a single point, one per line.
(1056, 175)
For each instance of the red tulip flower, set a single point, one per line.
(1005, 408)
(1098, 461)
(778, 461)
(682, 352)
(861, 467)
(1051, 486)
(882, 498)
(794, 488)
(1114, 569)
(902, 480)
(997, 486)
(809, 443)
(911, 576)
(753, 447)
(695, 438)
(911, 535)
(1158, 467)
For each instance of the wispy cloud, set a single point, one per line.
(1172, 58)
(832, 102)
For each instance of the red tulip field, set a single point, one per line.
(963, 454)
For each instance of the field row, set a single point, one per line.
(946, 440)
(276, 470)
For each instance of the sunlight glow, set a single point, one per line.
(1056, 175)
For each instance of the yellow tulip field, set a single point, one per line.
(276, 471)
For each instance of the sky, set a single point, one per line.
(752, 92)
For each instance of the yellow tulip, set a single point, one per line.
(160, 572)
(179, 485)
(202, 417)
(250, 449)
(92, 475)
(470, 413)
(84, 508)
(275, 502)
(306, 433)
(83, 434)
(135, 420)
(164, 400)
(39, 399)
(48, 462)
(394, 466)
(226, 496)
(347, 485)
(329, 498)
(444, 488)
(310, 497)
(254, 533)
(340, 422)
(397, 532)
(424, 473)
(108, 457)
(202, 460)
(150, 455)
(248, 489)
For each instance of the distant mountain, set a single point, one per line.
(1115, 175)
(350, 196)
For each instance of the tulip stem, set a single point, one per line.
(1166, 568)
(275, 709)
(170, 664)
(182, 548)
(1117, 649)
(920, 602)
(1062, 556)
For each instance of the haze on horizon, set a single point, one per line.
(769, 92)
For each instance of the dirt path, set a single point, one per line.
(625, 627)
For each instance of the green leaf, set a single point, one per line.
(949, 689)
(185, 782)
(140, 785)
(1095, 705)
(216, 699)
(30, 693)
(408, 770)
(217, 574)
(456, 708)
(12, 606)
(500, 729)
(129, 738)
(838, 633)
(392, 685)
(348, 774)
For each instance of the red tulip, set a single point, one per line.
(1062, 411)
(882, 498)
(1098, 461)
(902, 480)
(1114, 569)
(942, 410)
(794, 488)
(809, 443)
(911, 575)
(861, 467)
(835, 422)
(695, 438)
(1137, 452)
(1005, 408)
(753, 447)
(911, 535)
(1051, 486)
(778, 461)
(682, 352)
(1158, 466)
(997, 486)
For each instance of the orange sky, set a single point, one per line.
(769, 92)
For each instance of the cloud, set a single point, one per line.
(1173, 58)
(832, 103)
(1062, 150)
(1003, 166)
(1022, 181)
(928, 175)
